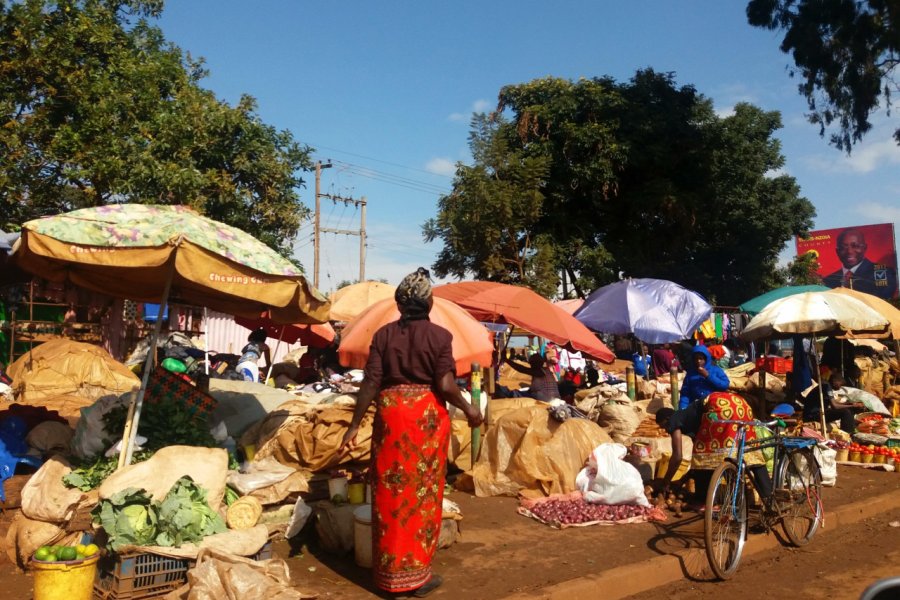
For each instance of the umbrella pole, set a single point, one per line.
(134, 408)
(476, 401)
(277, 348)
(821, 401)
(206, 340)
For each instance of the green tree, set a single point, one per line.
(845, 53)
(98, 108)
(643, 179)
(803, 270)
(487, 223)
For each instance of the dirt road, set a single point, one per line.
(837, 565)
(502, 553)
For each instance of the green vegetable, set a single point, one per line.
(90, 474)
(231, 496)
(128, 517)
(185, 515)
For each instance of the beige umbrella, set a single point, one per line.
(349, 301)
(885, 309)
(823, 313)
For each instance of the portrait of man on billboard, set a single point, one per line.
(857, 271)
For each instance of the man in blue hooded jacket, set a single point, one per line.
(701, 378)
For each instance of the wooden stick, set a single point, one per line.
(475, 446)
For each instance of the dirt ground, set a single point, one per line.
(837, 565)
(502, 553)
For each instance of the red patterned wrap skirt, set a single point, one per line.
(715, 440)
(410, 437)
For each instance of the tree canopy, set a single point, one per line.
(846, 53)
(98, 108)
(640, 178)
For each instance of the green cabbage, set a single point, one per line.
(185, 515)
(128, 518)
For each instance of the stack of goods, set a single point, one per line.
(870, 454)
(649, 429)
(873, 423)
(572, 510)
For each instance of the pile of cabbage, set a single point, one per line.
(132, 518)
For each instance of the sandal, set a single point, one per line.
(432, 584)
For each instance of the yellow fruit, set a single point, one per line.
(79, 548)
(91, 549)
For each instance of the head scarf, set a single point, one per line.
(413, 296)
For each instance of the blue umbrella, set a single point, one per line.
(755, 305)
(656, 311)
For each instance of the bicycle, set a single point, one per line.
(796, 500)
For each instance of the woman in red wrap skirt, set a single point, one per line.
(412, 372)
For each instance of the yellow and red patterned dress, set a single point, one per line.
(715, 440)
(410, 438)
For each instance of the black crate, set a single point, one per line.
(136, 576)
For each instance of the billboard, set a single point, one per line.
(863, 257)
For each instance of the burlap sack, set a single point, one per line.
(50, 436)
(208, 467)
(27, 535)
(620, 419)
(238, 542)
(46, 498)
(528, 452)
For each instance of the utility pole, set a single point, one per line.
(319, 167)
(362, 239)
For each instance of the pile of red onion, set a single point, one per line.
(576, 511)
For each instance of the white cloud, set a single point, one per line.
(866, 157)
(479, 106)
(441, 166)
(879, 213)
(724, 113)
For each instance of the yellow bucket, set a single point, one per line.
(663, 465)
(65, 580)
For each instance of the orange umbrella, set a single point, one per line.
(317, 335)
(570, 305)
(472, 342)
(349, 301)
(520, 306)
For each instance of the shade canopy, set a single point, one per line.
(471, 341)
(756, 305)
(316, 335)
(882, 307)
(570, 305)
(132, 250)
(656, 311)
(349, 301)
(824, 313)
(522, 307)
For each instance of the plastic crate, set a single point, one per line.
(775, 364)
(135, 576)
(139, 576)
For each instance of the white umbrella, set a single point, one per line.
(814, 313)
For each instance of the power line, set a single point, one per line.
(391, 177)
(378, 160)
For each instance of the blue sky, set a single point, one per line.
(385, 90)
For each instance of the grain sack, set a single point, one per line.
(619, 419)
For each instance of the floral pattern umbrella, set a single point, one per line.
(162, 254)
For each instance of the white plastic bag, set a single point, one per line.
(298, 518)
(610, 480)
(827, 459)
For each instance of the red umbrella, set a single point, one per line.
(520, 306)
(316, 336)
(472, 342)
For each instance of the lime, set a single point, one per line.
(51, 558)
(91, 549)
(42, 553)
(67, 553)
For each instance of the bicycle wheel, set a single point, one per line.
(800, 497)
(725, 520)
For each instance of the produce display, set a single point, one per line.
(873, 423)
(579, 512)
(131, 517)
(871, 454)
(65, 553)
(649, 428)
